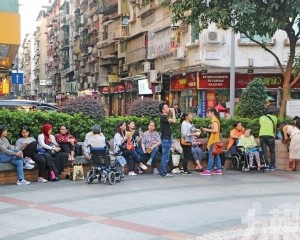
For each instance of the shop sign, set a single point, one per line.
(113, 78)
(202, 104)
(269, 80)
(117, 89)
(130, 86)
(214, 80)
(4, 86)
(179, 82)
(211, 99)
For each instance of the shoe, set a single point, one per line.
(140, 170)
(186, 173)
(132, 173)
(216, 172)
(167, 175)
(149, 163)
(155, 171)
(174, 171)
(42, 180)
(28, 166)
(201, 170)
(205, 173)
(272, 168)
(181, 170)
(142, 166)
(23, 182)
(29, 160)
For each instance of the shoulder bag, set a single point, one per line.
(185, 142)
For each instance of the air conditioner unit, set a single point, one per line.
(213, 37)
(146, 67)
(158, 88)
(179, 53)
(153, 75)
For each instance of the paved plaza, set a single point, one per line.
(234, 205)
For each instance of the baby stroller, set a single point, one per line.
(104, 167)
(241, 160)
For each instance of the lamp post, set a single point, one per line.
(232, 74)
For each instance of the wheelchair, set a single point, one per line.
(240, 161)
(104, 167)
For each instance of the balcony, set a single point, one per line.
(147, 10)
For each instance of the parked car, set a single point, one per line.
(27, 105)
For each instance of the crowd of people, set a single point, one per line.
(51, 152)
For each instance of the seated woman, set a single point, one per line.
(235, 133)
(28, 146)
(46, 140)
(66, 142)
(247, 141)
(120, 147)
(9, 154)
(95, 138)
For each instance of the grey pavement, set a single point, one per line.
(232, 206)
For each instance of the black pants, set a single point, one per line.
(187, 152)
(131, 157)
(29, 151)
(265, 143)
(66, 147)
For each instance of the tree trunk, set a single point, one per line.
(285, 97)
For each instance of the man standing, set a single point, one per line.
(166, 136)
(177, 110)
(267, 133)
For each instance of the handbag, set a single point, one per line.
(76, 172)
(184, 141)
(175, 159)
(78, 150)
(217, 148)
(130, 145)
(41, 151)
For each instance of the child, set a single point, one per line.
(247, 141)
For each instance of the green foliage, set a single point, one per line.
(79, 125)
(144, 107)
(86, 105)
(252, 101)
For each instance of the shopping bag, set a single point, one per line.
(77, 172)
(175, 159)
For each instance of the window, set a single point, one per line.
(194, 34)
(261, 39)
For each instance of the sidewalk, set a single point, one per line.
(149, 207)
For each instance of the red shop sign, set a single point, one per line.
(269, 80)
(214, 80)
(189, 81)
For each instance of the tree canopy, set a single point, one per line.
(249, 17)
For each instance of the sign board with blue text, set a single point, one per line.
(17, 78)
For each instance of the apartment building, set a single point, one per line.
(119, 50)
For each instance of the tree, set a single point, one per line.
(253, 98)
(144, 107)
(250, 17)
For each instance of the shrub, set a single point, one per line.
(144, 107)
(86, 105)
(252, 102)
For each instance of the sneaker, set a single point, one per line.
(142, 166)
(205, 173)
(155, 171)
(167, 175)
(216, 172)
(23, 182)
(132, 173)
(140, 170)
(149, 162)
(272, 168)
(29, 160)
(174, 171)
(181, 170)
(186, 173)
(28, 166)
(42, 180)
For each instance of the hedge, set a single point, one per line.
(79, 125)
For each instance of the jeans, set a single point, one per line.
(166, 148)
(131, 157)
(212, 159)
(152, 155)
(197, 153)
(265, 142)
(17, 161)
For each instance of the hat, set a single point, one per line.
(96, 129)
(269, 99)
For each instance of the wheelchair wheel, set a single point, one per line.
(236, 163)
(112, 178)
(89, 178)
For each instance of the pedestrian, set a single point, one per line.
(166, 136)
(267, 133)
(214, 137)
(177, 110)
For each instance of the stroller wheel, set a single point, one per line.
(89, 178)
(112, 178)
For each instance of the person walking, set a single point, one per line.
(166, 136)
(267, 132)
(214, 137)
